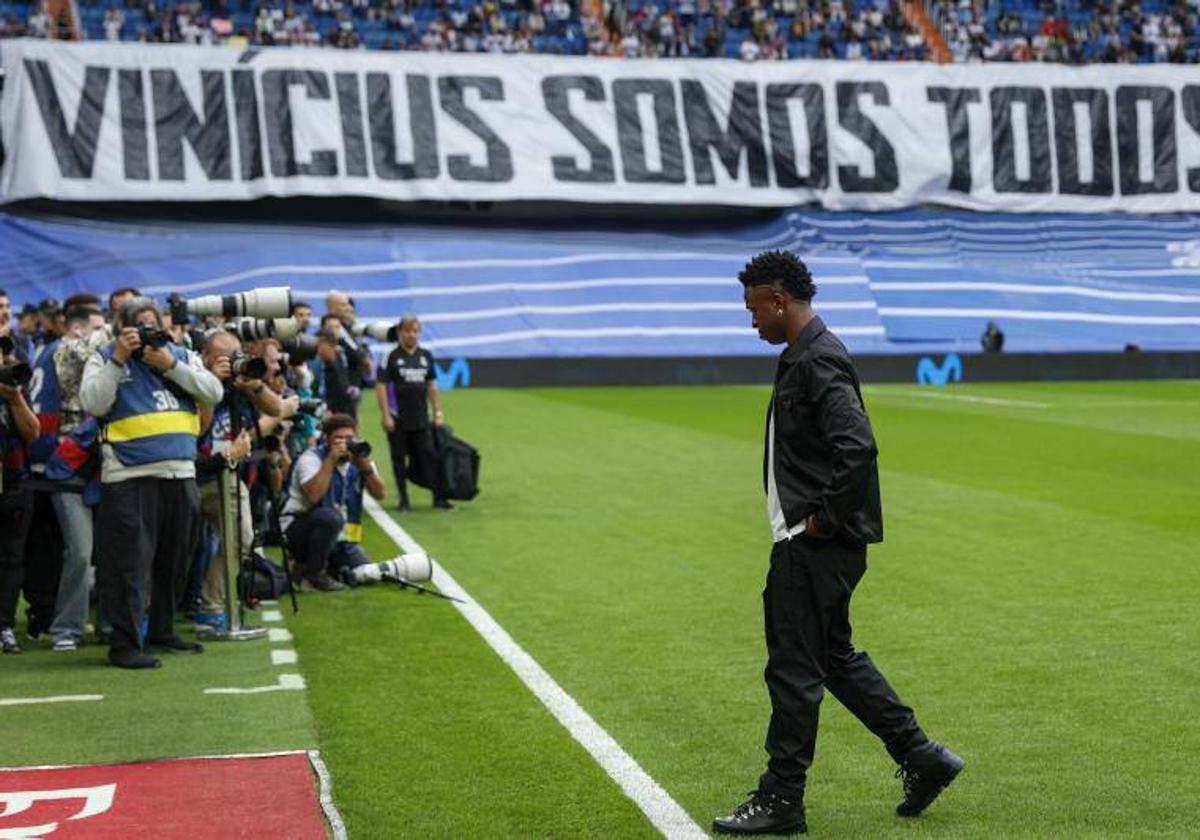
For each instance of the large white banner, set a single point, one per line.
(134, 122)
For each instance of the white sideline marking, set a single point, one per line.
(938, 395)
(287, 682)
(326, 796)
(268, 603)
(283, 657)
(273, 616)
(62, 698)
(279, 634)
(663, 812)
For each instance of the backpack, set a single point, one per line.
(459, 463)
(267, 580)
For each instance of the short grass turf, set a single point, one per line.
(146, 715)
(1035, 600)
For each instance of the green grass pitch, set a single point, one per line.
(1035, 600)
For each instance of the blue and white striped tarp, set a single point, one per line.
(896, 282)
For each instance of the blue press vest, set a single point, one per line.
(46, 403)
(345, 494)
(149, 422)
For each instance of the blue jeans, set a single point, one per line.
(71, 606)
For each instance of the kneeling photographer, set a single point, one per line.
(322, 516)
(145, 392)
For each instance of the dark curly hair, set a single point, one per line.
(783, 269)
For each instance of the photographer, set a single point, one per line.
(302, 315)
(229, 431)
(44, 540)
(322, 516)
(18, 426)
(335, 386)
(144, 391)
(407, 385)
(86, 331)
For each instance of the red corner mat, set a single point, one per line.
(254, 797)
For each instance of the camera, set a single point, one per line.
(153, 336)
(275, 302)
(359, 448)
(250, 367)
(312, 407)
(272, 443)
(300, 349)
(378, 330)
(256, 329)
(17, 374)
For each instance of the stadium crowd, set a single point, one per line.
(133, 436)
(1067, 31)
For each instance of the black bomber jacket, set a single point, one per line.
(825, 454)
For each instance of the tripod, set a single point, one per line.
(230, 491)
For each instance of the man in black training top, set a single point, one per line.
(404, 388)
(822, 489)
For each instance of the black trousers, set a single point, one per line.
(416, 444)
(43, 562)
(806, 606)
(311, 537)
(15, 509)
(146, 530)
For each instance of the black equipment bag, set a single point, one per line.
(459, 463)
(268, 580)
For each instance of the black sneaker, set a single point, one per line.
(442, 504)
(764, 813)
(926, 771)
(322, 582)
(131, 658)
(175, 644)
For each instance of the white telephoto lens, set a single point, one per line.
(415, 566)
(284, 328)
(274, 302)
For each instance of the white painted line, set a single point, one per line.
(663, 812)
(279, 634)
(268, 603)
(287, 682)
(273, 616)
(62, 698)
(336, 826)
(938, 395)
(283, 657)
(159, 760)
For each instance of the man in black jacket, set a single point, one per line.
(822, 487)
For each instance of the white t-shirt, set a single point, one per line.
(779, 528)
(307, 465)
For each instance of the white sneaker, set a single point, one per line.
(8, 641)
(64, 643)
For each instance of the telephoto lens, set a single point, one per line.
(378, 330)
(7, 345)
(300, 349)
(256, 329)
(274, 302)
(359, 448)
(17, 374)
(250, 367)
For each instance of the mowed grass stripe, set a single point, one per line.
(428, 734)
(621, 539)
